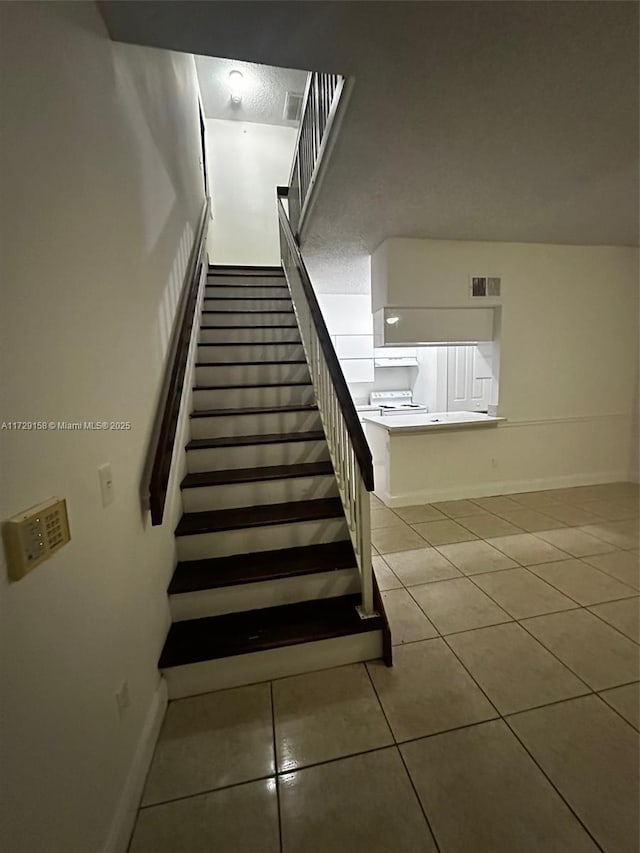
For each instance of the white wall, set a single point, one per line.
(101, 195)
(246, 162)
(568, 344)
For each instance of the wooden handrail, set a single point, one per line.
(347, 406)
(169, 409)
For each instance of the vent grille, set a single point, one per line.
(483, 286)
(292, 106)
(493, 286)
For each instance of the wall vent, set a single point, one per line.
(493, 286)
(483, 286)
(292, 106)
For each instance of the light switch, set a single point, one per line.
(106, 483)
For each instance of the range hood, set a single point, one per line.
(397, 361)
(395, 357)
(394, 326)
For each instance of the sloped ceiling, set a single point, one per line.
(513, 121)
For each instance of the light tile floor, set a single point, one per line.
(508, 723)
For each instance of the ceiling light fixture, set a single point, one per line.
(391, 321)
(236, 86)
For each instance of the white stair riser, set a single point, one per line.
(239, 304)
(219, 674)
(249, 335)
(268, 423)
(230, 375)
(255, 596)
(255, 318)
(251, 398)
(245, 279)
(250, 352)
(224, 543)
(263, 492)
(246, 291)
(256, 455)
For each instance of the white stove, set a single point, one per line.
(396, 403)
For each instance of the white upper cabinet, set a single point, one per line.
(354, 346)
(346, 313)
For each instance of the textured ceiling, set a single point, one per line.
(514, 121)
(264, 93)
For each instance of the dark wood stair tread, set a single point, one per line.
(241, 285)
(243, 269)
(264, 515)
(244, 440)
(249, 343)
(244, 363)
(254, 385)
(248, 311)
(256, 410)
(215, 572)
(257, 326)
(214, 637)
(256, 475)
(250, 298)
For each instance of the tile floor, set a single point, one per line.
(508, 723)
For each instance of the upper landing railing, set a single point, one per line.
(319, 107)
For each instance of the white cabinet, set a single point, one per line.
(350, 324)
(354, 346)
(346, 313)
(357, 369)
(468, 380)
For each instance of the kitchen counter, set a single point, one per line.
(432, 421)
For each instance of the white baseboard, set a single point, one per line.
(127, 808)
(497, 487)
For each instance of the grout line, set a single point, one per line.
(505, 721)
(275, 763)
(553, 654)
(602, 619)
(337, 758)
(550, 781)
(396, 743)
(538, 641)
(635, 728)
(404, 764)
(205, 792)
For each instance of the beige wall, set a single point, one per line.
(568, 365)
(569, 335)
(101, 194)
(246, 162)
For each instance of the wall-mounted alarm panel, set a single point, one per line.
(31, 537)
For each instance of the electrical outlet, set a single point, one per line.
(123, 698)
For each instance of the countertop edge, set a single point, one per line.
(431, 427)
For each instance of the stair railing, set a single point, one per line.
(350, 454)
(319, 107)
(157, 471)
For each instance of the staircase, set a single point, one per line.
(267, 582)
